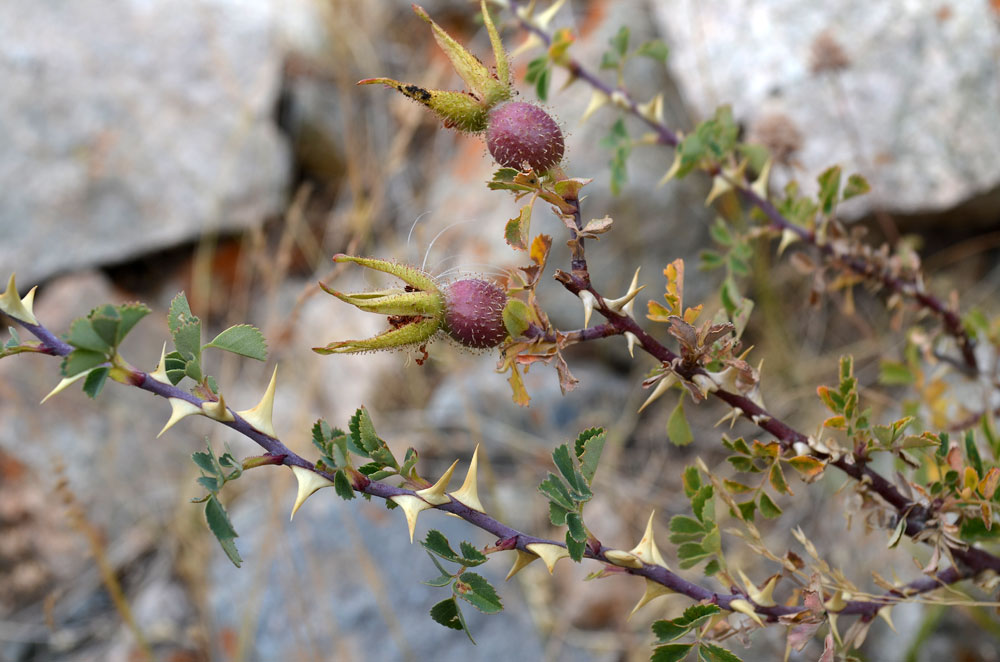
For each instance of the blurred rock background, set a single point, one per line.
(222, 148)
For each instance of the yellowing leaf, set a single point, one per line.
(678, 429)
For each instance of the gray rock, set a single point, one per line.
(131, 126)
(914, 107)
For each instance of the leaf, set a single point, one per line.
(557, 514)
(517, 317)
(564, 463)
(478, 592)
(671, 652)
(699, 501)
(471, 555)
(242, 339)
(82, 335)
(856, 185)
(436, 543)
(690, 554)
(576, 528)
(655, 49)
(206, 462)
(619, 42)
(678, 429)
(94, 381)
(556, 492)
(768, 508)
(130, 314)
(777, 479)
(972, 453)
(693, 616)
(342, 485)
(222, 528)
(442, 579)
(517, 230)
(446, 613)
(808, 466)
(686, 525)
(897, 533)
(576, 548)
(829, 187)
(588, 447)
(81, 360)
(691, 481)
(597, 226)
(712, 653)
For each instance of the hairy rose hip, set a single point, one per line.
(474, 313)
(521, 134)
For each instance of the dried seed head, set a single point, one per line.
(474, 313)
(521, 134)
(779, 134)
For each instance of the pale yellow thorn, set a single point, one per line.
(620, 99)
(260, 416)
(19, 309)
(788, 237)
(549, 553)
(522, 559)
(412, 506)
(309, 482)
(468, 494)
(597, 100)
(626, 302)
(435, 494)
(160, 374)
(661, 387)
(624, 559)
(762, 596)
(720, 185)
(653, 109)
(647, 549)
(546, 16)
(836, 603)
(631, 338)
(732, 417)
(588, 300)
(179, 409)
(66, 381)
(886, 614)
(745, 607)
(759, 185)
(218, 410)
(653, 591)
(673, 170)
(530, 43)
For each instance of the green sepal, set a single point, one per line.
(414, 333)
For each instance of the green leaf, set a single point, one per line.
(686, 525)
(576, 528)
(564, 463)
(671, 652)
(712, 653)
(589, 446)
(242, 339)
(678, 429)
(699, 501)
(971, 451)
(829, 186)
(478, 592)
(609, 60)
(185, 328)
(719, 232)
(94, 381)
(222, 528)
(130, 314)
(446, 613)
(691, 480)
(556, 492)
(82, 335)
(516, 317)
(576, 548)
(206, 462)
(442, 579)
(856, 185)
(777, 479)
(747, 510)
(690, 554)
(342, 485)
(655, 49)
(693, 616)
(81, 360)
(620, 41)
(768, 508)
(436, 543)
(471, 554)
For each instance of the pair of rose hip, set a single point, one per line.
(518, 135)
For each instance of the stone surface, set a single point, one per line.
(131, 126)
(914, 108)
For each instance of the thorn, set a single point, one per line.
(674, 168)
(631, 339)
(719, 186)
(309, 482)
(653, 109)
(661, 388)
(160, 373)
(468, 494)
(886, 614)
(788, 237)
(260, 416)
(620, 99)
(179, 409)
(218, 410)
(762, 596)
(531, 42)
(597, 100)
(705, 384)
(61, 386)
(412, 506)
(546, 16)
(732, 417)
(745, 607)
(522, 559)
(549, 553)
(588, 300)
(624, 559)
(653, 591)
(836, 603)
(19, 309)
(647, 549)
(626, 302)
(435, 493)
(760, 184)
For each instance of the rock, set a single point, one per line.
(904, 93)
(128, 127)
